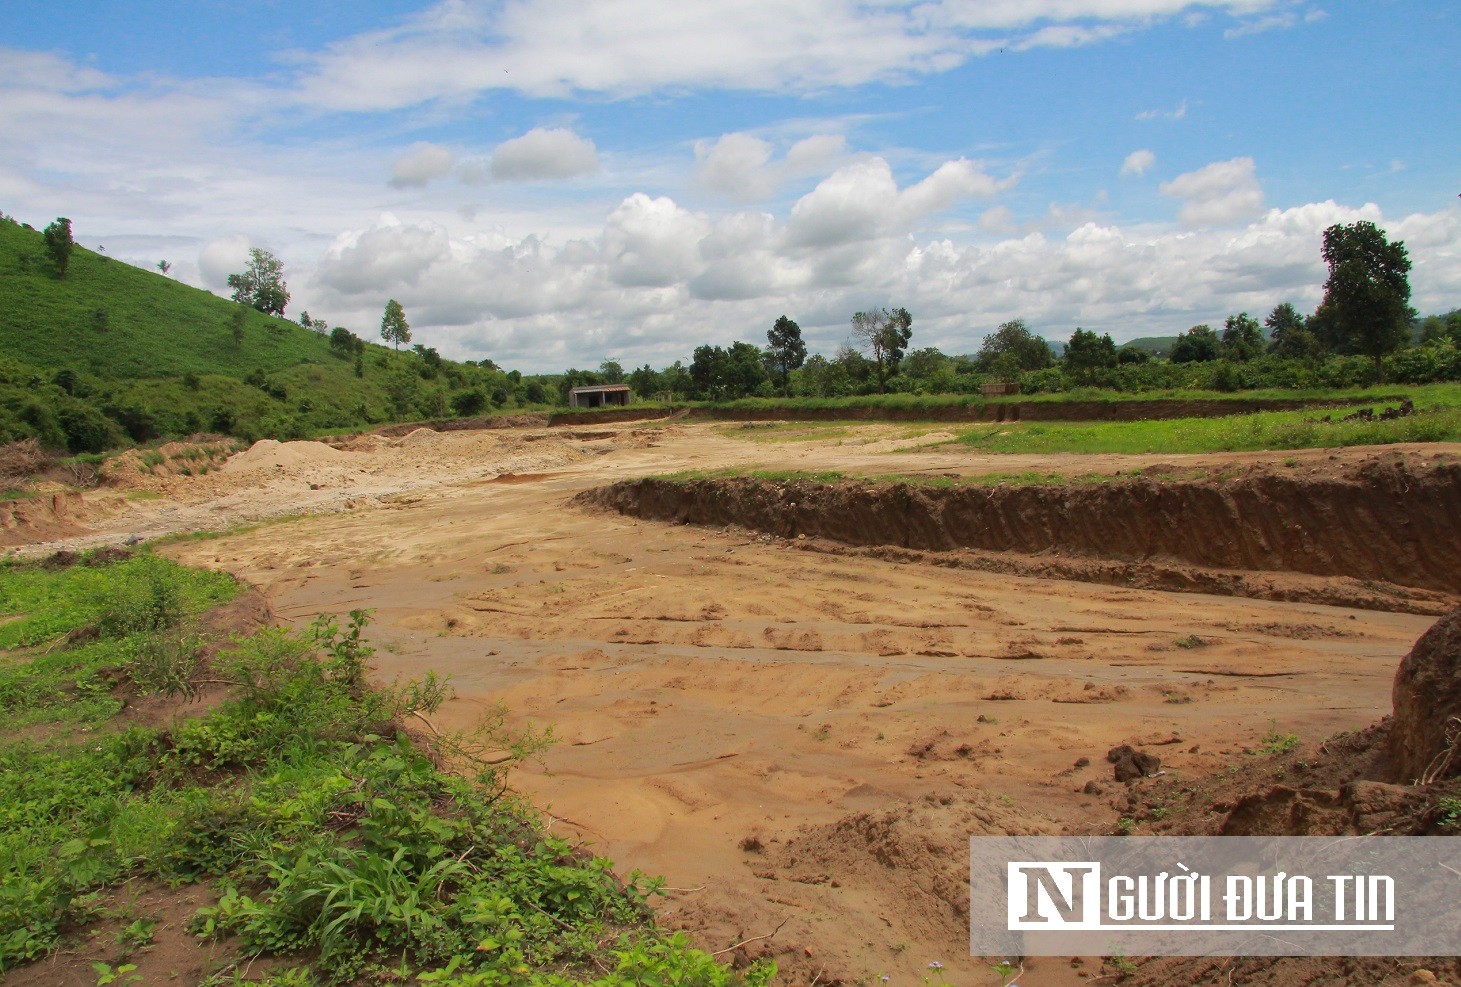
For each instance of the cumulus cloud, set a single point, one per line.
(1137, 162)
(224, 256)
(420, 165)
(861, 201)
(386, 256)
(626, 47)
(541, 155)
(1219, 193)
(739, 166)
(658, 279)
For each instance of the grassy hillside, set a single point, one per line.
(1155, 345)
(113, 354)
(116, 321)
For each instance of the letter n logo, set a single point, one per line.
(1053, 895)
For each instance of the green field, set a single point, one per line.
(1233, 433)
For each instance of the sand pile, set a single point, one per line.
(272, 454)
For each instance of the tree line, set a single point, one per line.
(1363, 331)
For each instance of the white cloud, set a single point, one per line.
(1176, 113)
(735, 167)
(420, 165)
(385, 257)
(556, 48)
(739, 166)
(544, 155)
(1137, 162)
(224, 256)
(861, 201)
(1219, 193)
(45, 71)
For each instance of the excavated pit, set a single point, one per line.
(1382, 535)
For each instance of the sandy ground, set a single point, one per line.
(795, 740)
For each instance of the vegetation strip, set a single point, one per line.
(332, 846)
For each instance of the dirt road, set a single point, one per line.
(797, 740)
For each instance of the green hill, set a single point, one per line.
(1155, 345)
(116, 321)
(112, 354)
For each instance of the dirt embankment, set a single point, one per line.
(1031, 411)
(1384, 520)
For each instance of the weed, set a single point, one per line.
(1275, 743)
(1126, 826)
(1121, 964)
(1190, 641)
(1449, 808)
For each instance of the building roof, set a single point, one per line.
(599, 387)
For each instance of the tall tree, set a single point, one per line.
(785, 350)
(1366, 307)
(1197, 345)
(1086, 353)
(262, 285)
(394, 328)
(1012, 348)
(1288, 336)
(611, 371)
(59, 244)
(1242, 338)
(885, 332)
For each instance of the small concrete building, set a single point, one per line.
(599, 396)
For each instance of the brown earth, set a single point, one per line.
(801, 741)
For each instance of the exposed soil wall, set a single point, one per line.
(1016, 410)
(1381, 521)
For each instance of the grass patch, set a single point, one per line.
(334, 843)
(1233, 433)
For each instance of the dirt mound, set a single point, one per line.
(1425, 730)
(417, 437)
(42, 517)
(272, 454)
(1355, 783)
(1384, 520)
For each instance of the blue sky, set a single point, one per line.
(555, 183)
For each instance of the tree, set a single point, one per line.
(236, 323)
(1197, 345)
(1366, 307)
(611, 371)
(59, 244)
(164, 267)
(262, 285)
(1086, 353)
(1439, 328)
(886, 333)
(394, 328)
(1242, 338)
(1288, 336)
(785, 350)
(1011, 348)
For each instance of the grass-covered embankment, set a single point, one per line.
(332, 847)
(1273, 430)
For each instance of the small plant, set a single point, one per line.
(1190, 641)
(1126, 826)
(823, 732)
(1121, 964)
(1176, 698)
(137, 935)
(1449, 809)
(1275, 743)
(107, 974)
